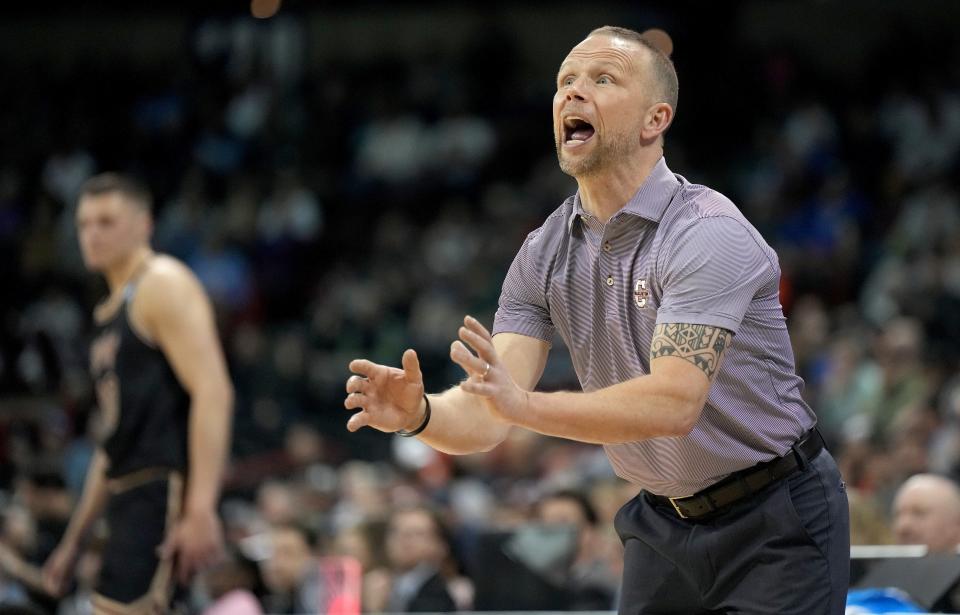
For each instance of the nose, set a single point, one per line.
(573, 94)
(574, 91)
(902, 528)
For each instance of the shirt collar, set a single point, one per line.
(649, 202)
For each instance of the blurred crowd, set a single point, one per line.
(354, 209)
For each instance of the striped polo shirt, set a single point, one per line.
(675, 253)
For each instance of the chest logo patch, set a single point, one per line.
(641, 293)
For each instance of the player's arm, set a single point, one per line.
(59, 566)
(391, 399)
(667, 402)
(176, 314)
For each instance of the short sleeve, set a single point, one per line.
(711, 271)
(523, 305)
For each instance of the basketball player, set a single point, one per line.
(166, 404)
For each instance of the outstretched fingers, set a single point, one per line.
(472, 364)
(357, 387)
(364, 367)
(357, 384)
(382, 395)
(411, 366)
(477, 327)
(358, 420)
(478, 339)
(474, 352)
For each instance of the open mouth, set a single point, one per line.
(576, 131)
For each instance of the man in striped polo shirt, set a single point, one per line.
(667, 298)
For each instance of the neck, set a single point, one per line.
(604, 193)
(118, 276)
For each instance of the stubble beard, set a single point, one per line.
(604, 156)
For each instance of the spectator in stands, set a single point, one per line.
(926, 511)
(290, 573)
(364, 542)
(417, 547)
(592, 582)
(233, 586)
(868, 525)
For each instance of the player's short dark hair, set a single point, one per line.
(132, 189)
(664, 72)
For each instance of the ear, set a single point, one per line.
(656, 121)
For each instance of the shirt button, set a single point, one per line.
(606, 246)
(609, 280)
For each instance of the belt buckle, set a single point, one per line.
(673, 502)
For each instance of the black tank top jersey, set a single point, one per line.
(143, 406)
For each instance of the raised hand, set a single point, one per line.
(389, 399)
(486, 374)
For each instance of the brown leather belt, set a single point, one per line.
(742, 484)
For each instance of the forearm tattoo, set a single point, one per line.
(702, 345)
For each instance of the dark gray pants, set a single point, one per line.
(785, 550)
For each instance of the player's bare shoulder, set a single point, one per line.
(166, 288)
(168, 280)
